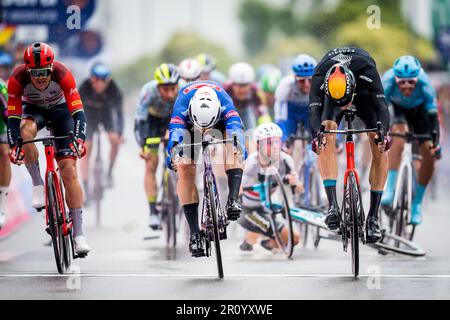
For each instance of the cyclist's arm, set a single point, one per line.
(281, 108)
(316, 99)
(178, 120)
(15, 92)
(371, 80)
(430, 102)
(73, 100)
(233, 122)
(140, 119)
(118, 108)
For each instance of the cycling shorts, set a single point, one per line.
(416, 119)
(95, 117)
(58, 120)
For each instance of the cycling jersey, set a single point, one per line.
(424, 92)
(62, 90)
(291, 107)
(251, 199)
(3, 109)
(251, 110)
(180, 120)
(369, 95)
(152, 109)
(105, 107)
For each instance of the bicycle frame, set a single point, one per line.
(51, 168)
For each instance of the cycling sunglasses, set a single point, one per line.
(403, 82)
(303, 79)
(37, 73)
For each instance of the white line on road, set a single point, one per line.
(259, 275)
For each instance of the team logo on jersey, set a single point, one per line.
(76, 103)
(11, 108)
(177, 120)
(231, 113)
(196, 86)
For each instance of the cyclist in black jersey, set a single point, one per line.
(348, 77)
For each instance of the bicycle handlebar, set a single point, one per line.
(179, 149)
(21, 143)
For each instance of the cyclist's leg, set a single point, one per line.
(33, 120)
(156, 130)
(92, 128)
(417, 120)
(234, 170)
(328, 164)
(395, 154)
(378, 169)
(61, 124)
(114, 141)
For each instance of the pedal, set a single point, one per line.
(48, 230)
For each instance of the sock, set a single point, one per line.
(3, 194)
(391, 180)
(35, 173)
(191, 214)
(375, 199)
(76, 215)
(152, 205)
(420, 192)
(330, 189)
(234, 182)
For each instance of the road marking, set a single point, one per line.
(259, 275)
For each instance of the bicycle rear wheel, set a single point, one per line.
(212, 194)
(279, 207)
(54, 226)
(354, 199)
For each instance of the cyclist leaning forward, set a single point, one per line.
(151, 123)
(42, 92)
(202, 106)
(343, 77)
(414, 104)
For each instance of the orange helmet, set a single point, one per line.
(340, 85)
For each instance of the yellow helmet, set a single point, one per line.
(167, 73)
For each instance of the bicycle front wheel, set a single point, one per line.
(212, 194)
(354, 206)
(280, 217)
(54, 226)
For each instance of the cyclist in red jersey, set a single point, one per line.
(43, 93)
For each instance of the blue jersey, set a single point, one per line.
(424, 93)
(180, 120)
(291, 107)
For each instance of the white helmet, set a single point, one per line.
(190, 69)
(241, 73)
(267, 130)
(204, 108)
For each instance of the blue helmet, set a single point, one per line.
(100, 70)
(407, 67)
(304, 65)
(6, 59)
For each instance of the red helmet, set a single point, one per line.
(38, 55)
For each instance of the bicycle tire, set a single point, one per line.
(213, 212)
(53, 224)
(172, 212)
(68, 239)
(409, 248)
(354, 227)
(287, 248)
